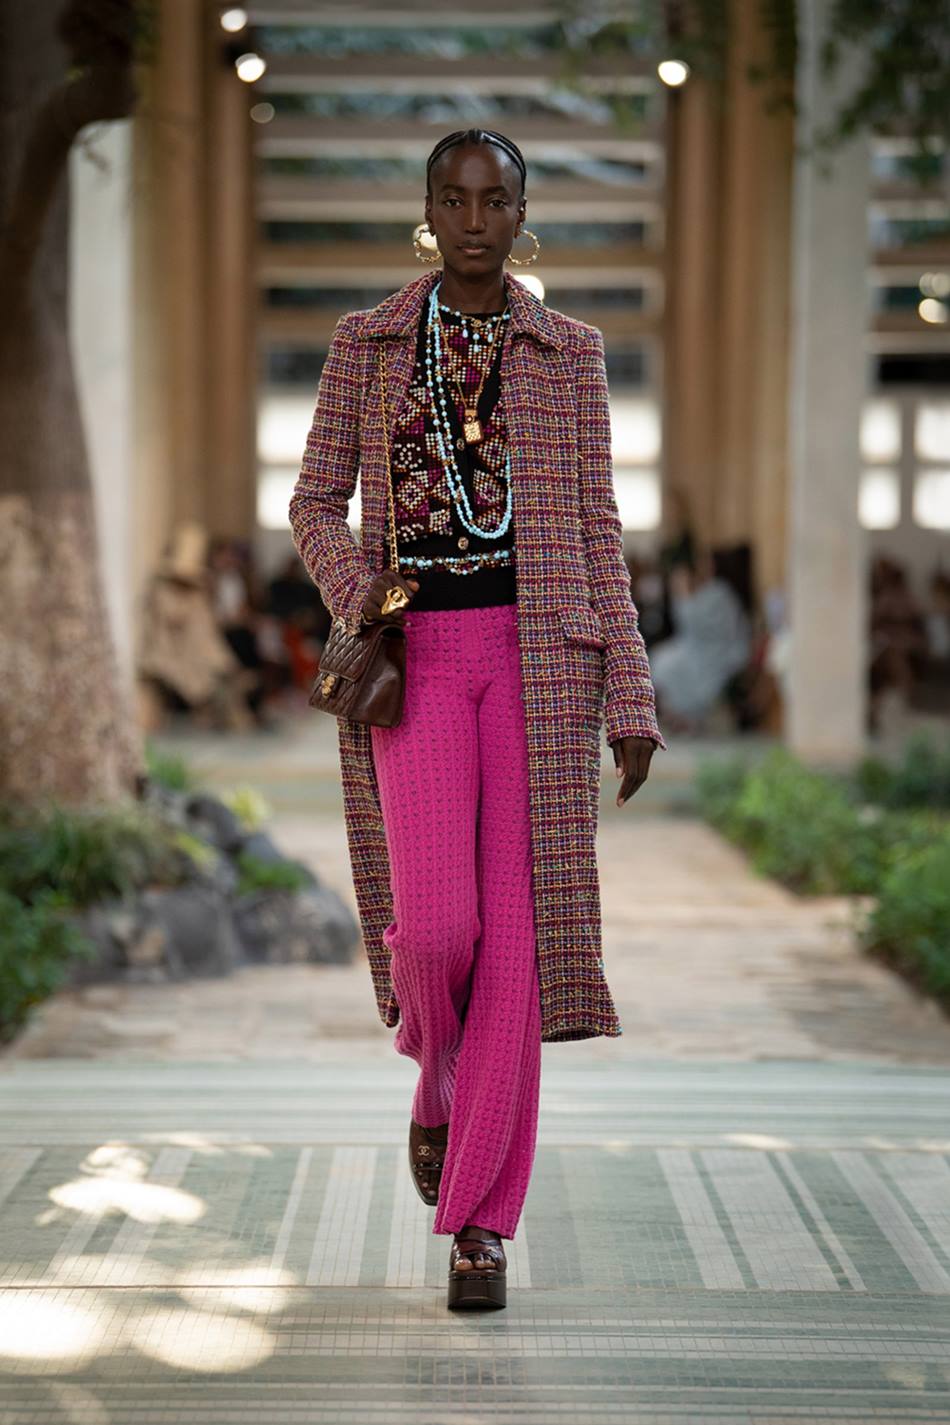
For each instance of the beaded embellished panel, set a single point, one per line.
(421, 494)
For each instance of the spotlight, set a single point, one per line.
(233, 19)
(673, 72)
(250, 67)
(933, 311)
(935, 284)
(262, 113)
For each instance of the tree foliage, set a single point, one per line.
(904, 46)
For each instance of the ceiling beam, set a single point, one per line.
(300, 198)
(926, 256)
(432, 74)
(410, 13)
(539, 138)
(908, 324)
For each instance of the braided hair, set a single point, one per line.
(467, 136)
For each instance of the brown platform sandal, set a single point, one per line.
(426, 1154)
(477, 1286)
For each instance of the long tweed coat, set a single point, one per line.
(583, 662)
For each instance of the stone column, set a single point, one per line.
(826, 551)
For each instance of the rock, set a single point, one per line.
(167, 802)
(259, 845)
(148, 949)
(282, 927)
(210, 819)
(263, 848)
(193, 925)
(109, 926)
(166, 932)
(221, 874)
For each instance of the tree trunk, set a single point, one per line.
(67, 731)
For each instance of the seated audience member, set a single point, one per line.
(710, 643)
(898, 642)
(185, 663)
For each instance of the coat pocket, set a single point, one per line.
(581, 624)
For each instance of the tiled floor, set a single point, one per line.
(758, 1242)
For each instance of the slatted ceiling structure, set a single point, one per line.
(360, 94)
(908, 238)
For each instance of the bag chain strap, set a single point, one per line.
(389, 476)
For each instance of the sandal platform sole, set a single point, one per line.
(468, 1291)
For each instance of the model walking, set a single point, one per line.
(472, 823)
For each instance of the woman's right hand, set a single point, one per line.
(373, 604)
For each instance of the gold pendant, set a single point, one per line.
(472, 428)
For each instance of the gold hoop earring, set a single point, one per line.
(526, 261)
(423, 254)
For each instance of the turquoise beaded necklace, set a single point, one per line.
(438, 403)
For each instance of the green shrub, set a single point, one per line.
(910, 924)
(921, 778)
(718, 784)
(201, 854)
(257, 875)
(87, 855)
(797, 825)
(37, 944)
(169, 770)
(248, 805)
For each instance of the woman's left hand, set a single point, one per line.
(632, 760)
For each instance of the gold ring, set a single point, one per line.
(396, 598)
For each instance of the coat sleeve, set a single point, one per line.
(630, 699)
(318, 506)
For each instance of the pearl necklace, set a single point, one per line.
(438, 403)
(477, 327)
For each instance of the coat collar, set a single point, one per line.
(399, 313)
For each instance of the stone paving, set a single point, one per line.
(740, 1210)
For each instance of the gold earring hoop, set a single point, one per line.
(526, 261)
(424, 254)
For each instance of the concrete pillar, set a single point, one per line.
(769, 439)
(826, 552)
(101, 318)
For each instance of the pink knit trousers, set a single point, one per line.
(453, 780)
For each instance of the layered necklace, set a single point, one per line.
(493, 330)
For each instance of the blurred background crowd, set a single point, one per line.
(226, 647)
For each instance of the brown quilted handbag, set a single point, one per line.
(362, 675)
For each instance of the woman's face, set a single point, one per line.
(475, 208)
